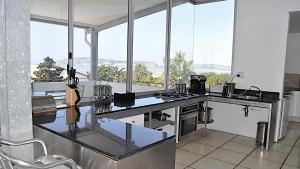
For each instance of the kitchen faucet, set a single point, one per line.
(260, 92)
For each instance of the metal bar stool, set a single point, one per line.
(45, 162)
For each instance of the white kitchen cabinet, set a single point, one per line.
(231, 118)
(136, 120)
(167, 128)
(295, 106)
(170, 112)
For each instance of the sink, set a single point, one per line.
(247, 97)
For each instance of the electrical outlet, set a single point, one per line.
(241, 74)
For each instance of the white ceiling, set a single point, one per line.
(88, 12)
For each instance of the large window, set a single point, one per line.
(112, 62)
(48, 52)
(149, 51)
(182, 44)
(202, 41)
(82, 53)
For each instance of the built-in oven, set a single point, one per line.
(188, 119)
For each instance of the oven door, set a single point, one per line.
(188, 123)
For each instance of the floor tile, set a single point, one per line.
(196, 136)
(293, 161)
(186, 158)
(281, 148)
(245, 140)
(227, 156)
(288, 141)
(182, 143)
(270, 155)
(179, 166)
(288, 167)
(221, 135)
(297, 143)
(295, 151)
(294, 125)
(292, 133)
(208, 163)
(237, 147)
(258, 163)
(197, 148)
(211, 141)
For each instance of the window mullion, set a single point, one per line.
(130, 31)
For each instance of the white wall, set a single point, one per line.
(260, 43)
(261, 40)
(292, 64)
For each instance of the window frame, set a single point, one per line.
(130, 31)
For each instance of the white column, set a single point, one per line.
(15, 88)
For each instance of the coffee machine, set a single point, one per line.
(198, 84)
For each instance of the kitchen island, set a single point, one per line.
(102, 143)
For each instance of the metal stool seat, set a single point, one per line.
(45, 162)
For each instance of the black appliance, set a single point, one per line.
(188, 119)
(198, 84)
(124, 99)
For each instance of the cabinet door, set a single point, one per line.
(231, 118)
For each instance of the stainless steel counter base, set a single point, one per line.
(161, 156)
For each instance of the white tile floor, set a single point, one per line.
(219, 150)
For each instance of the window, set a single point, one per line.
(149, 50)
(113, 57)
(82, 53)
(48, 52)
(182, 44)
(213, 41)
(202, 42)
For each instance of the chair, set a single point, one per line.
(45, 162)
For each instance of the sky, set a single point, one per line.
(203, 32)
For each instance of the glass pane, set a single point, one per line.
(182, 44)
(49, 45)
(213, 41)
(149, 45)
(82, 53)
(113, 57)
(112, 44)
(202, 44)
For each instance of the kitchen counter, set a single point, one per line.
(92, 126)
(158, 102)
(112, 138)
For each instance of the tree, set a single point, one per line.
(216, 79)
(48, 71)
(180, 69)
(111, 73)
(142, 76)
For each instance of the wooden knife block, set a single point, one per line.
(71, 96)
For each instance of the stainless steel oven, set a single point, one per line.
(188, 119)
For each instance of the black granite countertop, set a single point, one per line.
(139, 102)
(112, 138)
(267, 98)
(157, 99)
